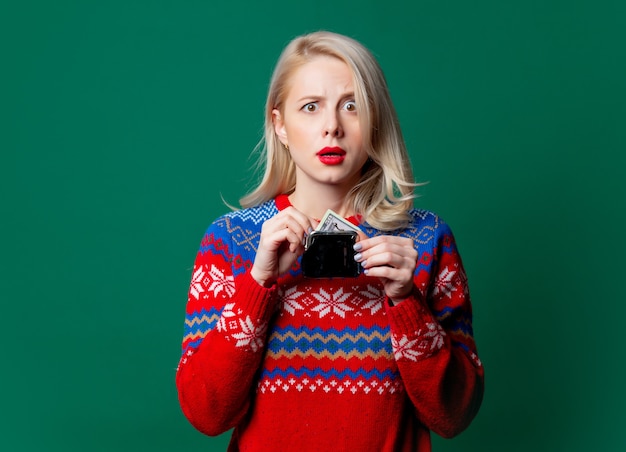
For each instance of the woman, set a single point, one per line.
(369, 363)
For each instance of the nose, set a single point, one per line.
(333, 125)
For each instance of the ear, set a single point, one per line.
(279, 126)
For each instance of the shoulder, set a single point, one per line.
(428, 228)
(425, 226)
(252, 217)
(237, 231)
(421, 217)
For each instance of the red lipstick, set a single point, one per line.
(331, 155)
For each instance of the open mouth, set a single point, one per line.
(331, 158)
(332, 152)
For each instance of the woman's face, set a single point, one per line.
(319, 123)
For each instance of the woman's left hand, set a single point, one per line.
(392, 259)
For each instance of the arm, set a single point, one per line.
(231, 301)
(225, 336)
(433, 342)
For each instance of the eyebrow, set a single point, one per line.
(309, 97)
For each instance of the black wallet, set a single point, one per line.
(330, 255)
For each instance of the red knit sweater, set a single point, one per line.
(327, 364)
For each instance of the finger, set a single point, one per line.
(385, 259)
(293, 225)
(292, 236)
(391, 276)
(304, 221)
(387, 254)
(286, 221)
(273, 240)
(296, 243)
(367, 243)
(361, 236)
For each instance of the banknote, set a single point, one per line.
(334, 222)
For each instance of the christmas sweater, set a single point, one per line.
(327, 364)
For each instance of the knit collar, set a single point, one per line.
(282, 202)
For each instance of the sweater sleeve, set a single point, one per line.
(433, 344)
(226, 321)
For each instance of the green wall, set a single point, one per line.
(123, 123)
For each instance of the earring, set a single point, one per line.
(286, 146)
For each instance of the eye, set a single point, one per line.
(350, 106)
(311, 107)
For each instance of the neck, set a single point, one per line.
(314, 204)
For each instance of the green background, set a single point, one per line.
(123, 123)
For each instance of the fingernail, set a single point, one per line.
(357, 247)
(357, 257)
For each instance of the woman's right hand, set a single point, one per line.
(281, 242)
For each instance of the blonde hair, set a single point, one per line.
(384, 193)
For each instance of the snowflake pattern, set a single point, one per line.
(290, 300)
(374, 297)
(425, 343)
(221, 283)
(332, 302)
(250, 335)
(227, 313)
(444, 285)
(196, 287)
(404, 348)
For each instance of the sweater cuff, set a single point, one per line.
(410, 315)
(257, 299)
(415, 332)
